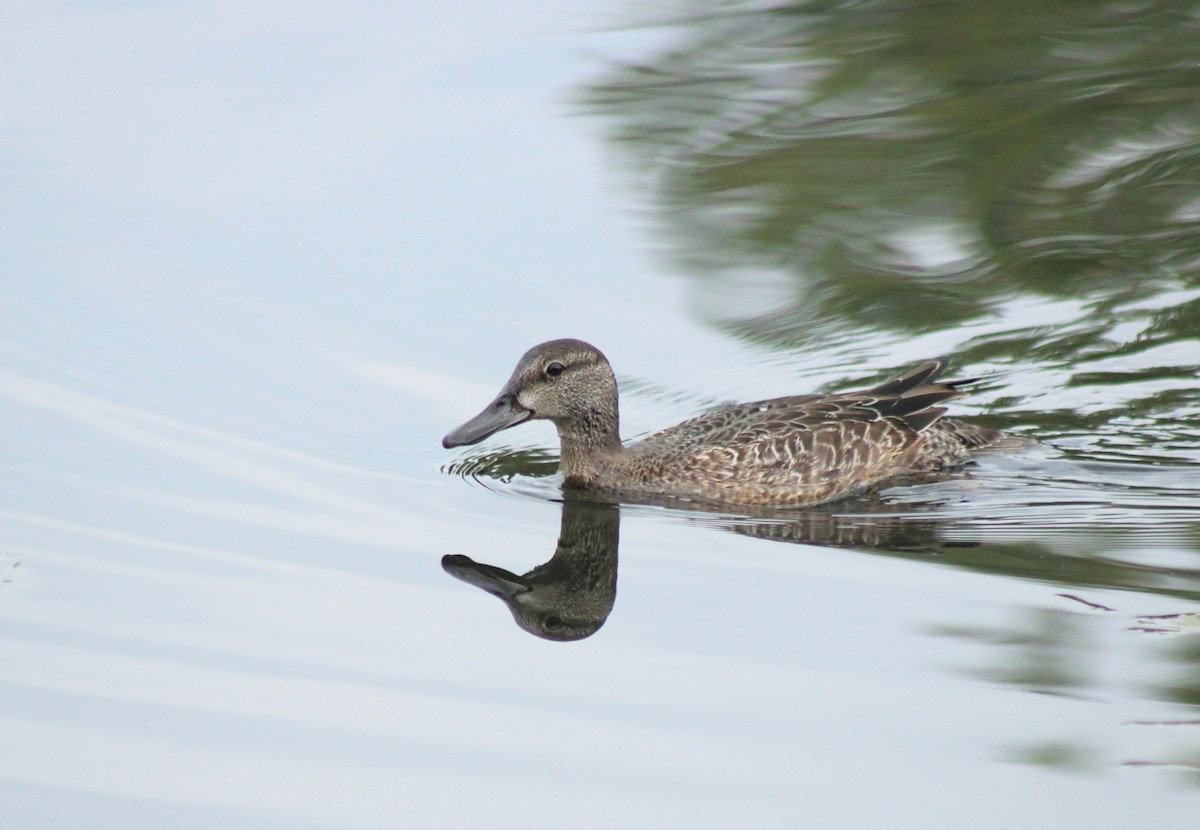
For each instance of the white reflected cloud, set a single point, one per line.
(452, 394)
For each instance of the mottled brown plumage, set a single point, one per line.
(782, 452)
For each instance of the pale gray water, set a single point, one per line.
(258, 260)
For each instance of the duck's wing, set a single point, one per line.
(808, 435)
(910, 403)
(856, 428)
(814, 437)
(915, 377)
(783, 451)
(722, 423)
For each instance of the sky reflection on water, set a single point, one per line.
(260, 259)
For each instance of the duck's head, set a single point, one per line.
(544, 607)
(569, 597)
(568, 382)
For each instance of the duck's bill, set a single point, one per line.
(502, 413)
(496, 581)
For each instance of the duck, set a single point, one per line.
(782, 452)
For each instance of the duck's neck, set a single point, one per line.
(590, 445)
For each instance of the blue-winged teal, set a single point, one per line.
(786, 451)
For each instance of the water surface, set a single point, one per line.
(259, 261)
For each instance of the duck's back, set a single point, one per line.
(808, 448)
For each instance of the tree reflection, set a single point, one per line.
(890, 167)
(957, 152)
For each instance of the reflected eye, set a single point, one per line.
(554, 623)
(554, 369)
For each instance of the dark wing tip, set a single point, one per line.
(917, 376)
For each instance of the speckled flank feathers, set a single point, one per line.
(785, 451)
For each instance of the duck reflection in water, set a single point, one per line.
(569, 597)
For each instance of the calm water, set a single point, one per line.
(258, 261)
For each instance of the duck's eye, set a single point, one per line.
(554, 623)
(554, 369)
